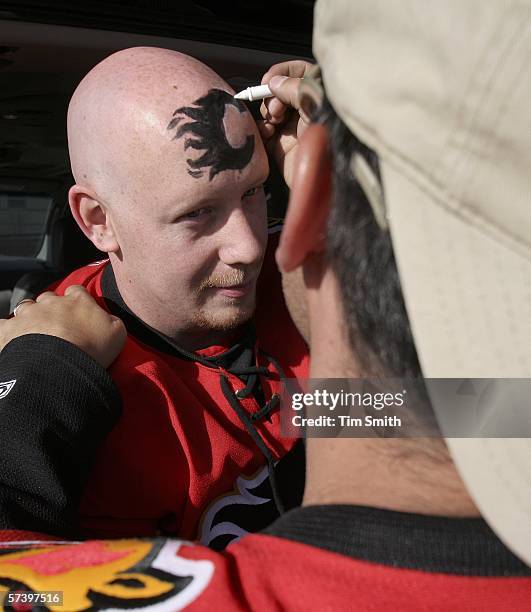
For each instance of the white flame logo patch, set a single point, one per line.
(242, 496)
(5, 388)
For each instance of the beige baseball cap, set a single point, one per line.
(441, 90)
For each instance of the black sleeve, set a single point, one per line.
(57, 405)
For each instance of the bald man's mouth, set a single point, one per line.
(234, 285)
(237, 291)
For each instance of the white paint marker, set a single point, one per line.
(254, 93)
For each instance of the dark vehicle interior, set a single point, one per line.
(47, 47)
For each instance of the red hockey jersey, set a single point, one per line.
(260, 572)
(180, 460)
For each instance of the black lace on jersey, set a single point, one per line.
(248, 420)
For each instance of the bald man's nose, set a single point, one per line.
(241, 241)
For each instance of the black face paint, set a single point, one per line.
(208, 133)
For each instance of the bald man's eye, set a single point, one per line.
(253, 191)
(200, 212)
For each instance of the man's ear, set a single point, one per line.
(93, 218)
(304, 231)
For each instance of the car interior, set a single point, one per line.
(45, 52)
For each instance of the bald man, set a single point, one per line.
(169, 173)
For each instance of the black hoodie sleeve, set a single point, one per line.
(57, 405)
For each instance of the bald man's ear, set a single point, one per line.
(93, 218)
(304, 231)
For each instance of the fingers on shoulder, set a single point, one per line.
(46, 296)
(77, 291)
(119, 328)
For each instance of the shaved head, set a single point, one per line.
(119, 115)
(160, 148)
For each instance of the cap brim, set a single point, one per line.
(468, 297)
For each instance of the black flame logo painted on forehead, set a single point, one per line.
(206, 132)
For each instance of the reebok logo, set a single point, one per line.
(5, 388)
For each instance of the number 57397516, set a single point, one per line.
(33, 597)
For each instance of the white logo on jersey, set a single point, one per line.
(210, 531)
(5, 388)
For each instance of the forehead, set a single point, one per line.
(217, 127)
(180, 149)
(213, 143)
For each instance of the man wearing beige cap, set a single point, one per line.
(417, 153)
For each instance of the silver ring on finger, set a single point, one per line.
(24, 301)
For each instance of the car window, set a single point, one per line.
(22, 223)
